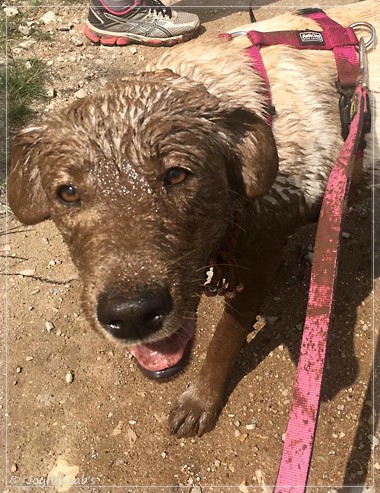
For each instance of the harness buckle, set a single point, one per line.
(345, 107)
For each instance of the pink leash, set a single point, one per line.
(295, 462)
(355, 119)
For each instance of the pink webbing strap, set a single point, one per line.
(295, 461)
(341, 40)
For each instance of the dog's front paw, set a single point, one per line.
(194, 413)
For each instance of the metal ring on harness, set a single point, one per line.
(370, 28)
(238, 33)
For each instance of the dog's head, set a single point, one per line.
(143, 180)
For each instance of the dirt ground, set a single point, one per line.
(105, 427)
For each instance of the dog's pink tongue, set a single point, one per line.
(164, 354)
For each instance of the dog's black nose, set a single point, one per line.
(134, 318)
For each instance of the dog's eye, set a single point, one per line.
(176, 176)
(68, 194)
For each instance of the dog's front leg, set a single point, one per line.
(197, 409)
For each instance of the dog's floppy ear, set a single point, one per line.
(253, 144)
(26, 196)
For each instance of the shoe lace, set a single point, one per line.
(157, 7)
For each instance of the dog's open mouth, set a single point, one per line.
(165, 358)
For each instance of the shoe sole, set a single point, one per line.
(108, 39)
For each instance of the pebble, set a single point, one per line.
(103, 81)
(25, 45)
(66, 27)
(48, 17)
(377, 466)
(251, 426)
(309, 257)
(51, 92)
(346, 235)
(271, 319)
(49, 326)
(80, 94)
(373, 440)
(133, 50)
(29, 358)
(69, 377)
(10, 11)
(19, 369)
(78, 42)
(132, 437)
(25, 30)
(14, 468)
(196, 489)
(243, 488)
(27, 272)
(164, 454)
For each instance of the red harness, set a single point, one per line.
(341, 40)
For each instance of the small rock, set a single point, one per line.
(78, 42)
(365, 327)
(377, 466)
(80, 94)
(66, 27)
(25, 30)
(373, 440)
(51, 92)
(27, 272)
(196, 489)
(69, 377)
(243, 437)
(164, 454)
(48, 18)
(117, 430)
(10, 11)
(132, 437)
(133, 50)
(346, 235)
(243, 488)
(14, 467)
(25, 45)
(49, 326)
(309, 257)
(19, 369)
(271, 319)
(132, 422)
(29, 358)
(103, 81)
(251, 426)
(283, 437)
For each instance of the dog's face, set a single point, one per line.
(143, 180)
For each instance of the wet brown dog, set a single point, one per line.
(161, 174)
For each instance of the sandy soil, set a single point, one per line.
(108, 426)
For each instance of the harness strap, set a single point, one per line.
(341, 40)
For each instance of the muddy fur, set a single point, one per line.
(133, 233)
